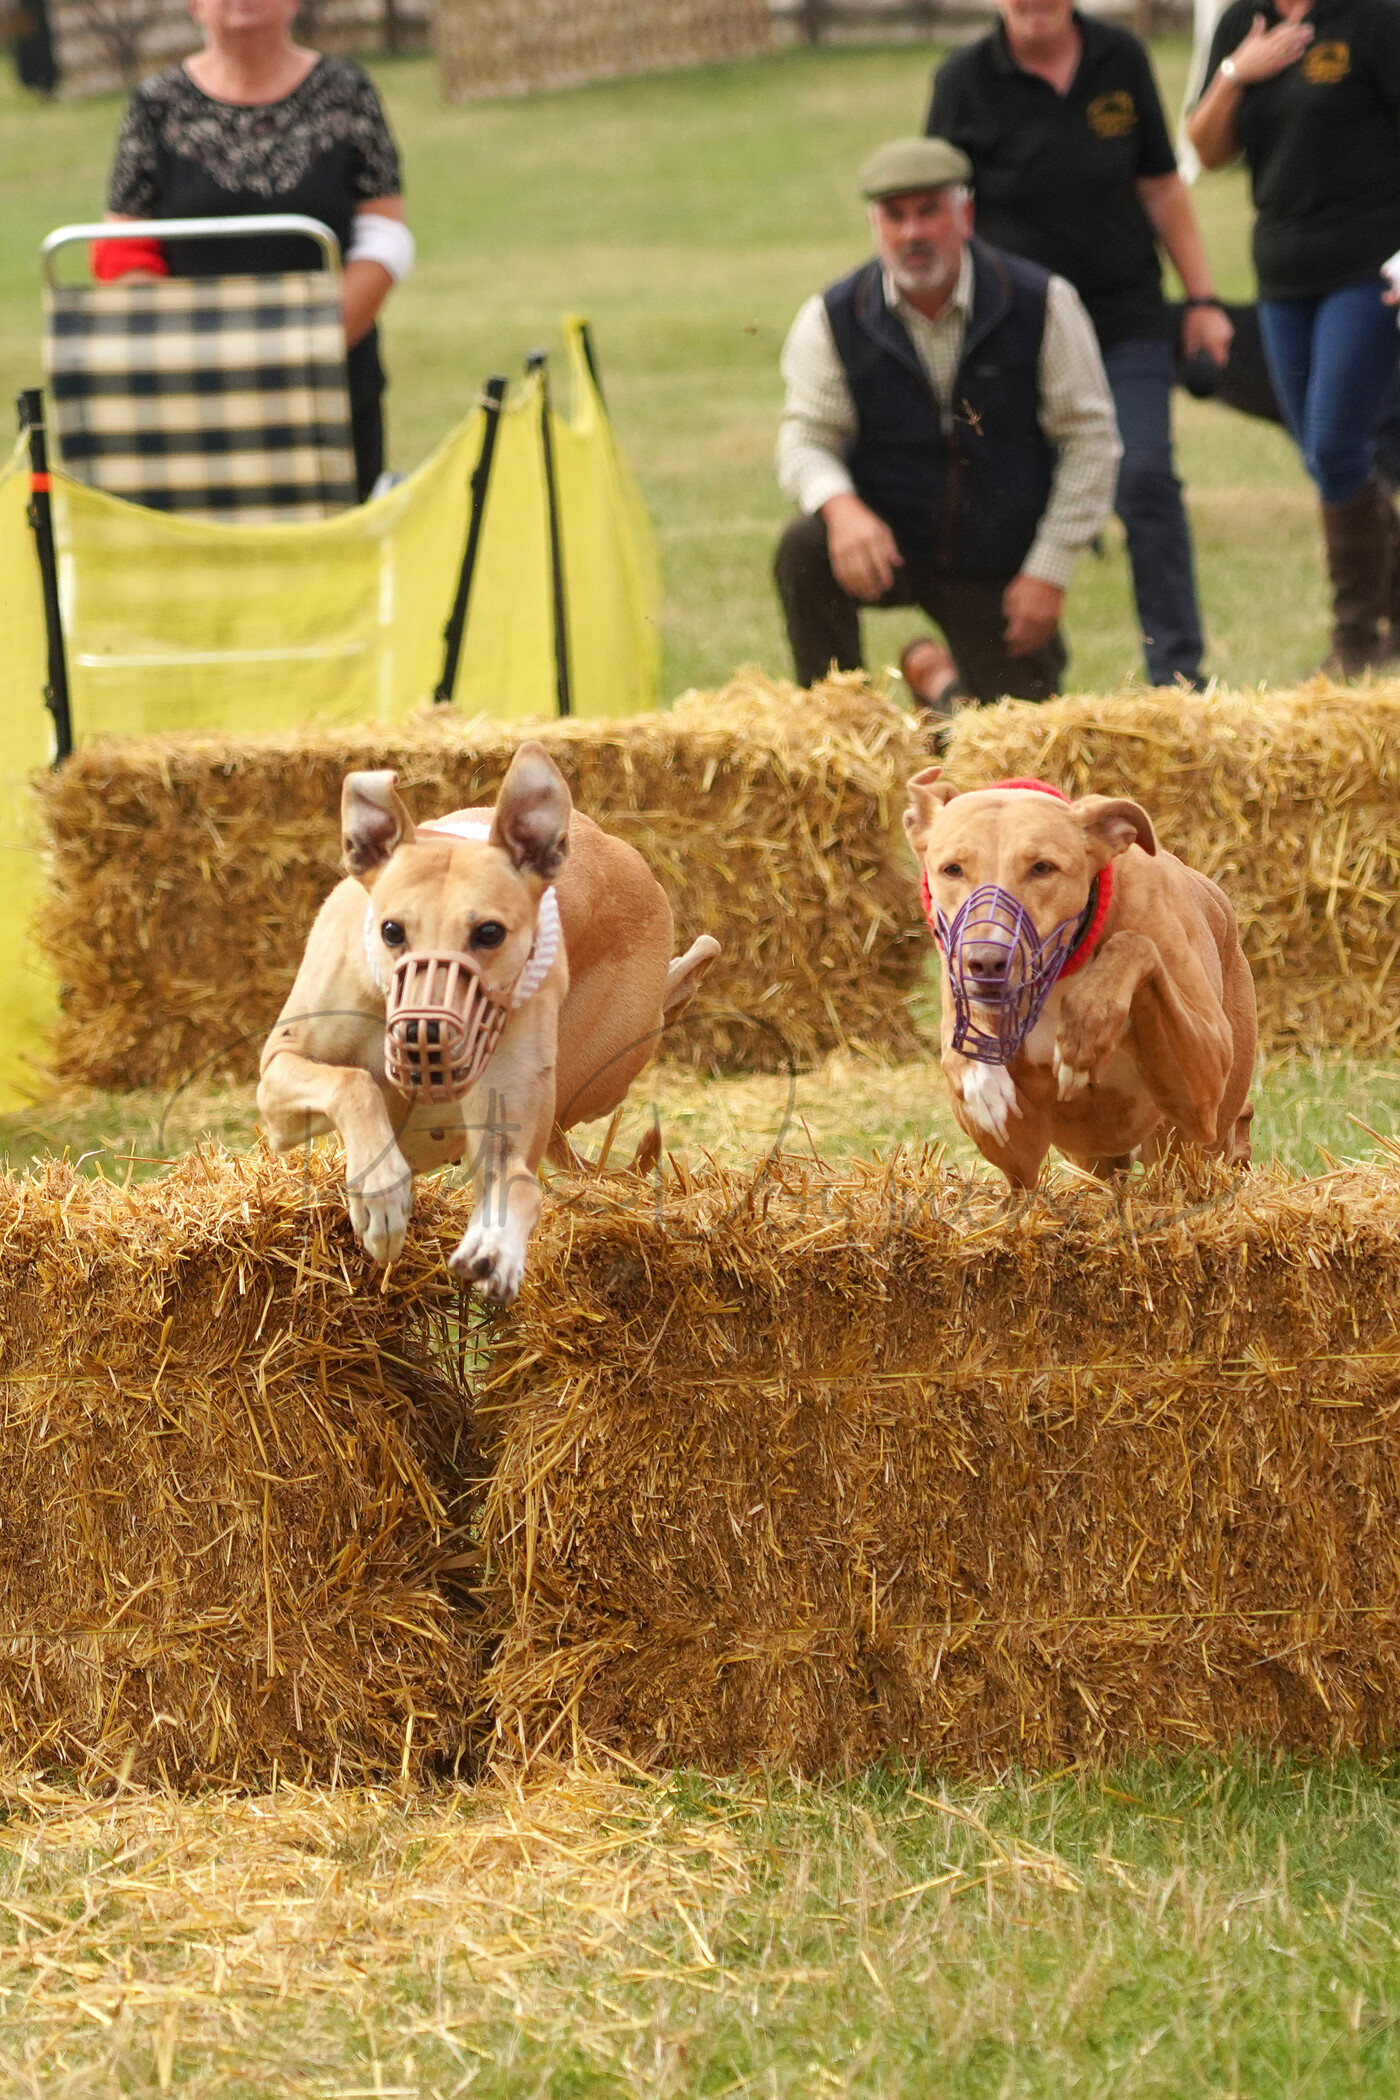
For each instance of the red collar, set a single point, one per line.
(1095, 911)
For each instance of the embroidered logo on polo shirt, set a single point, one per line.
(1326, 64)
(1112, 116)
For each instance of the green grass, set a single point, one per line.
(1188, 1929)
(690, 216)
(1308, 1111)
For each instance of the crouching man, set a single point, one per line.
(950, 439)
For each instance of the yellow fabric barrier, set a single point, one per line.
(28, 996)
(173, 625)
(611, 575)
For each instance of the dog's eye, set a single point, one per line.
(489, 934)
(1044, 867)
(952, 868)
(394, 935)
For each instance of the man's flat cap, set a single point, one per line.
(913, 164)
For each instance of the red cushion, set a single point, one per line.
(112, 259)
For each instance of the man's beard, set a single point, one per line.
(924, 274)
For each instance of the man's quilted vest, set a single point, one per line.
(963, 486)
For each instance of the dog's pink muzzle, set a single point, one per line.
(441, 1025)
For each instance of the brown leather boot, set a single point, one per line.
(1392, 528)
(1360, 537)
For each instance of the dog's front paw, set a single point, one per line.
(1068, 1080)
(1086, 1038)
(381, 1204)
(492, 1259)
(989, 1099)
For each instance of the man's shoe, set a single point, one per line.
(928, 670)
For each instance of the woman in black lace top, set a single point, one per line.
(254, 123)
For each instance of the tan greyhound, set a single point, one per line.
(1095, 996)
(475, 986)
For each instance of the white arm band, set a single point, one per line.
(387, 242)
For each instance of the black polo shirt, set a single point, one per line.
(1054, 173)
(1322, 140)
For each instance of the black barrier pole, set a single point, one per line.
(590, 358)
(30, 405)
(538, 361)
(493, 395)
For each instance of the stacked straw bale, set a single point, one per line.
(799, 1470)
(837, 1465)
(527, 47)
(233, 1482)
(187, 871)
(1291, 801)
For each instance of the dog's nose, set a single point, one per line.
(986, 963)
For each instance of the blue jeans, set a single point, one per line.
(1332, 361)
(1149, 503)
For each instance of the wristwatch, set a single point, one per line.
(1229, 70)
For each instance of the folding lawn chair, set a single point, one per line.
(221, 398)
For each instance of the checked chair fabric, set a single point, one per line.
(222, 398)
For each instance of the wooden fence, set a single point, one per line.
(913, 21)
(99, 46)
(493, 48)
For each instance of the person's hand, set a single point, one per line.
(1032, 610)
(862, 548)
(1208, 329)
(1266, 52)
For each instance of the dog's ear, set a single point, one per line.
(373, 821)
(1115, 823)
(927, 795)
(531, 820)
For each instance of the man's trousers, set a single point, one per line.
(1148, 500)
(823, 621)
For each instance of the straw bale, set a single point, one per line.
(1291, 801)
(798, 1469)
(234, 1476)
(836, 1464)
(524, 47)
(186, 871)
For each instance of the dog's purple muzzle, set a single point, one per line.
(999, 967)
